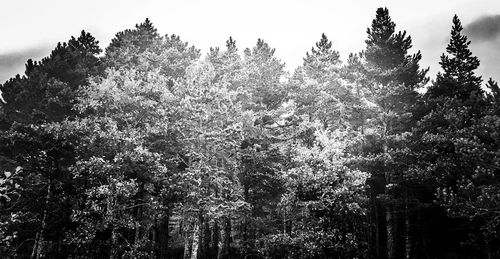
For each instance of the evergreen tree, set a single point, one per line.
(493, 96)
(125, 166)
(227, 64)
(458, 78)
(46, 94)
(393, 74)
(264, 73)
(452, 150)
(48, 90)
(390, 76)
(127, 46)
(318, 89)
(323, 60)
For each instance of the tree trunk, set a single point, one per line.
(244, 226)
(35, 246)
(226, 239)
(382, 229)
(488, 247)
(205, 239)
(154, 237)
(215, 238)
(284, 222)
(139, 218)
(114, 234)
(187, 247)
(399, 229)
(136, 236)
(407, 232)
(388, 208)
(187, 241)
(163, 236)
(390, 233)
(39, 238)
(196, 240)
(377, 231)
(114, 243)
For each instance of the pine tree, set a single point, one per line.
(390, 76)
(322, 59)
(142, 37)
(458, 78)
(317, 88)
(48, 90)
(45, 94)
(386, 54)
(127, 46)
(264, 73)
(493, 96)
(453, 148)
(394, 74)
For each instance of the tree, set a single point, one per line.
(128, 45)
(323, 207)
(390, 76)
(319, 90)
(458, 78)
(50, 87)
(264, 74)
(455, 145)
(46, 93)
(228, 65)
(144, 49)
(323, 60)
(127, 186)
(493, 97)
(212, 126)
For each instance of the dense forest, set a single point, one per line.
(150, 149)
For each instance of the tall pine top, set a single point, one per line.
(460, 63)
(458, 79)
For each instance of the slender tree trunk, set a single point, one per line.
(188, 241)
(155, 239)
(215, 238)
(39, 238)
(207, 235)
(284, 222)
(244, 227)
(136, 236)
(399, 229)
(390, 233)
(488, 247)
(138, 220)
(114, 235)
(187, 247)
(204, 237)
(377, 230)
(196, 241)
(226, 239)
(407, 231)
(163, 235)
(389, 209)
(114, 243)
(35, 245)
(374, 228)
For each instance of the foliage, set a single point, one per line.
(151, 149)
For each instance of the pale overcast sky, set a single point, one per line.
(31, 28)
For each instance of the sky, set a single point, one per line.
(32, 28)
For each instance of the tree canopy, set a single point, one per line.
(153, 150)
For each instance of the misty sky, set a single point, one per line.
(32, 28)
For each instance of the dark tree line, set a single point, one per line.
(150, 151)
